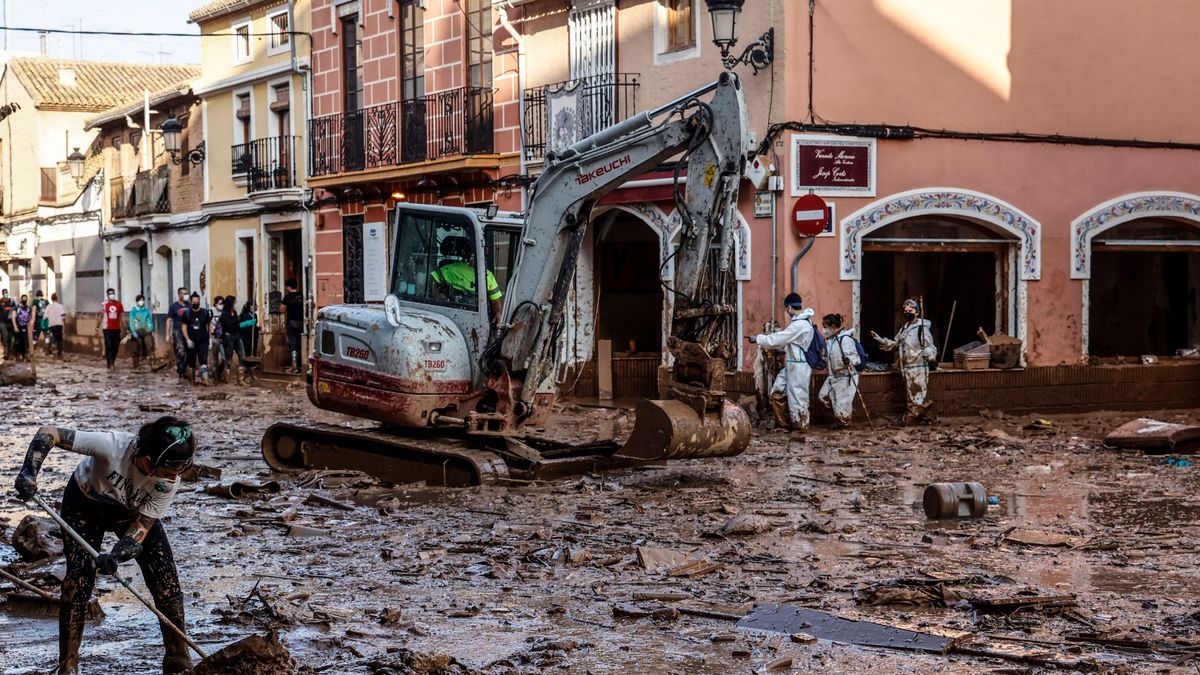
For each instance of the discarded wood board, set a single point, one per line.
(1036, 538)
(1154, 436)
(788, 620)
(1015, 602)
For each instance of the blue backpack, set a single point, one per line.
(814, 353)
(862, 355)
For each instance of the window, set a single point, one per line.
(241, 42)
(435, 261)
(500, 248)
(135, 139)
(186, 255)
(281, 103)
(479, 44)
(281, 39)
(49, 184)
(412, 51)
(243, 129)
(352, 64)
(681, 33)
(116, 142)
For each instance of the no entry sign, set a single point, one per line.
(810, 216)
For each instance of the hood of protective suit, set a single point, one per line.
(806, 313)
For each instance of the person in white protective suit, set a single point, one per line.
(794, 378)
(917, 351)
(841, 385)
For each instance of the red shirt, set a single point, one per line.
(112, 315)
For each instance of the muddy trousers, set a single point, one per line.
(294, 330)
(112, 344)
(793, 381)
(91, 519)
(838, 393)
(916, 386)
(179, 347)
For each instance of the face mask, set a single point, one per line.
(220, 307)
(910, 315)
(195, 305)
(24, 302)
(141, 303)
(112, 296)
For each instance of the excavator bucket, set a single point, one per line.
(670, 429)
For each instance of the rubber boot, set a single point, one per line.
(70, 634)
(204, 376)
(295, 362)
(779, 407)
(177, 658)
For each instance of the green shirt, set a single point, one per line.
(461, 277)
(43, 322)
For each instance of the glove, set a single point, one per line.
(125, 549)
(26, 487)
(191, 345)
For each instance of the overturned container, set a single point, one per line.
(955, 500)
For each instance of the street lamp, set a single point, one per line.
(758, 54)
(172, 131)
(75, 162)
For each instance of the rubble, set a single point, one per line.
(37, 538)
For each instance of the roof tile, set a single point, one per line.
(94, 86)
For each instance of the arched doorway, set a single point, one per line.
(957, 266)
(629, 301)
(948, 245)
(1139, 257)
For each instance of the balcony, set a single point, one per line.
(147, 195)
(267, 163)
(451, 123)
(598, 102)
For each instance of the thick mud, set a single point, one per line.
(642, 570)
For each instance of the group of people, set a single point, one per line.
(23, 325)
(193, 331)
(836, 349)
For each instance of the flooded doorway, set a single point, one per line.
(629, 302)
(1143, 294)
(955, 265)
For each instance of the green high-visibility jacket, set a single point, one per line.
(460, 276)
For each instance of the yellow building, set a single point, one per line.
(254, 93)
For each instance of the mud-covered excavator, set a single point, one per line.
(465, 356)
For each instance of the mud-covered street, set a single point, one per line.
(1086, 561)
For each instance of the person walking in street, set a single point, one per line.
(176, 338)
(844, 357)
(41, 328)
(141, 329)
(199, 330)
(113, 322)
(293, 304)
(792, 382)
(56, 318)
(247, 327)
(23, 317)
(218, 358)
(124, 485)
(231, 338)
(6, 330)
(914, 341)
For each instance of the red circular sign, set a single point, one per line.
(810, 216)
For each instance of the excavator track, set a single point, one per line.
(668, 432)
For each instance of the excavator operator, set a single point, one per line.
(455, 279)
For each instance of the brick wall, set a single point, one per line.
(326, 62)
(328, 263)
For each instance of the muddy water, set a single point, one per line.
(492, 575)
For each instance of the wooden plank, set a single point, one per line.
(604, 369)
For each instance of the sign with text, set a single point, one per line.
(833, 165)
(374, 262)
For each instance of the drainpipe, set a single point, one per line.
(147, 140)
(503, 14)
(310, 278)
(796, 264)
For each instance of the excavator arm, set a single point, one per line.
(711, 138)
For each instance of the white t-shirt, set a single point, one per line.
(56, 314)
(108, 474)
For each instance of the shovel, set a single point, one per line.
(265, 652)
(92, 552)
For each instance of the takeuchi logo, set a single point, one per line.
(602, 169)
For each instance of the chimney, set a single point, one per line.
(44, 39)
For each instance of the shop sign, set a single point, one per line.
(833, 165)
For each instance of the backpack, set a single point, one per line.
(862, 355)
(814, 353)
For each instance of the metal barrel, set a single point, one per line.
(668, 429)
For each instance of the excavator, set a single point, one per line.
(465, 357)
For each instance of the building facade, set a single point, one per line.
(51, 223)
(153, 233)
(410, 103)
(255, 96)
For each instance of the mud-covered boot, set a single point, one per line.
(70, 634)
(177, 658)
(779, 408)
(295, 362)
(204, 381)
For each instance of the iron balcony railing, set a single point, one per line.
(267, 163)
(580, 108)
(149, 194)
(446, 124)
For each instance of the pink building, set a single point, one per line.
(1031, 168)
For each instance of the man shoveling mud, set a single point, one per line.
(124, 485)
